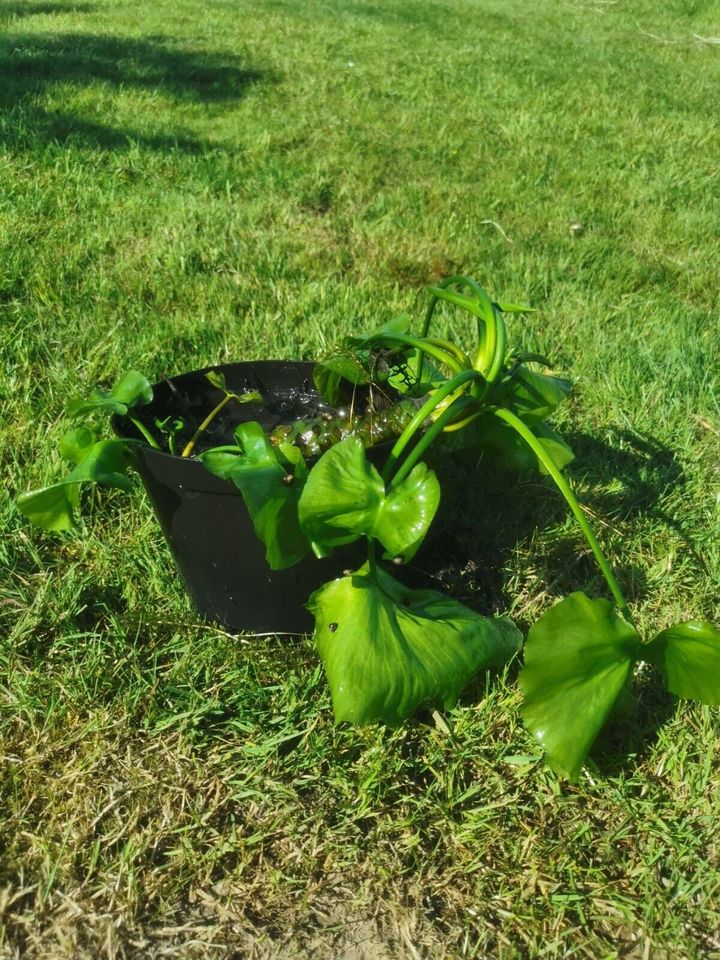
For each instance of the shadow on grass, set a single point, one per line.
(32, 66)
(633, 729)
(492, 513)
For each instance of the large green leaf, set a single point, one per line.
(131, 390)
(105, 462)
(689, 657)
(345, 498)
(270, 486)
(578, 657)
(388, 650)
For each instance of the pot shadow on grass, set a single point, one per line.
(496, 512)
(33, 65)
(619, 480)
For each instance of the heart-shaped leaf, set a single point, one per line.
(51, 508)
(388, 650)
(345, 498)
(105, 462)
(578, 657)
(131, 390)
(688, 655)
(270, 489)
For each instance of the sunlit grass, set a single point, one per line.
(186, 183)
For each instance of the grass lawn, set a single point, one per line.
(186, 182)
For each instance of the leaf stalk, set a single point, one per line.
(532, 441)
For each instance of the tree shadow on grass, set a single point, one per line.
(32, 66)
(28, 8)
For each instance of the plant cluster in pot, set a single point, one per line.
(277, 483)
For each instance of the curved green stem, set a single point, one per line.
(453, 349)
(145, 432)
(447, 416)
(455, 281)
(190, 445)
(532, 441)
(483, 299)
(500, 347)
(423, 346)
(433, 401)
(372, 560)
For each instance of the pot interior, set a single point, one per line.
(286, 387)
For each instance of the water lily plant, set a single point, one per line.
(310, 486)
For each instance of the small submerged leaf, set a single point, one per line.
(578, 657)
(270, 489)
(345, 498)
(688, 655)
(388, 650)
(131, 390)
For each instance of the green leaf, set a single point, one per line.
(525, 356)
(388, 650)
(131, 390)
(515, 308)
(554, 445)
(270, 489)
(689, 657)
(217, 379)
(329, 375)
(77, 444)
(505, 445)
(105, 462)
(578, 658)
(475, 307)
(534, 396)
(51, 508)
(398, 324)
(345, 498)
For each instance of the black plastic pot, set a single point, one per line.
(219, 556)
